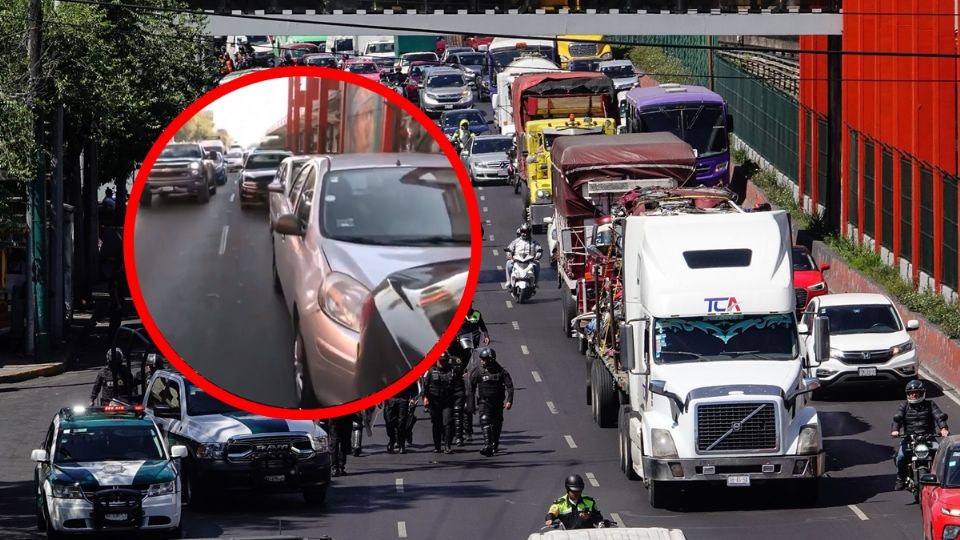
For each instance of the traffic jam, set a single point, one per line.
(709, 337)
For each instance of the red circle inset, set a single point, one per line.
(280, 412)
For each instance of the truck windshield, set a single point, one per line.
(108, 443)
(424, 57)
(502, 58)
(700, 126)
(200, 403)
(725, 337)
(380, 47)
(867, 319)
(181, 151)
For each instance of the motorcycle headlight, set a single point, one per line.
(163, 488)
(66, 491)
(902, 348)
(341, 298)
(836, 353)
(722, 166)
(210, 450)
(921, 451)
(818, 287)
(663, 446)
(809, 440)
(319, 443)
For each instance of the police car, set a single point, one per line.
(106, 468)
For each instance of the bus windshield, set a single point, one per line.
(700, 126)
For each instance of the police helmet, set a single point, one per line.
(487, 353)
(574, 483)
(915, 391)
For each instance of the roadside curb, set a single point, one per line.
(15, 374)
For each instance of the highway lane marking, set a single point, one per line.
(509, 304)
(483, 197)
(515, 324)
(552, 407)
(491, 238)
(524, 350)
(500, 267)
(616, 517)
(536, 376)
(223, 239)
(592, 479)
(496, 253)
(479, 188)
(399, 485)
(484, 208)
(402, 529)
(570, 441)
(858, 512)
(946, 389)
(232, 195)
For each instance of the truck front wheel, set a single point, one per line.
(658, 493)
(569, 307)
(626, 457)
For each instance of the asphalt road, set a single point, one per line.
(206, 279)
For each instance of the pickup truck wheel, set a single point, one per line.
(658, 493)
(306, 398)
(42, 513)
(195, 492)
(605, 395)
(315, 496)
(203, 196)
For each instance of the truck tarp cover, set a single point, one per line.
(561, 84)
(578, 160)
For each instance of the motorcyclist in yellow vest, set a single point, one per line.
(574, 510)
(462, 137)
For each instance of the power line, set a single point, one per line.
(744, 48)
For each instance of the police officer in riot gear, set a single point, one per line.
(493, 390)
(475, 328)
(339, 429)
(363, 421)
(443, 391)
(113, 380)
(395, 412)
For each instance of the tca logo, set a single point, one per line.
(722, 304)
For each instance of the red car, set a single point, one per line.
(298, 50)
(940, 493)
(808, 280)
(365, 68)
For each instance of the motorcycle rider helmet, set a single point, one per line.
(524, 231)
(464, 124)
(574, 483)
(487, 353)
(915, 391)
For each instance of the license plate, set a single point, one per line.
(448, 107)
(166, 189)
(867, 372)
(501, 173)
(275, 478)
(739, 480)
(115, 517)
(274, 464)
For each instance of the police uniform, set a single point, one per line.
(395, 411)
(339, 429)
(444, 387)
(493, 387)
(108, 387)
(569, 513)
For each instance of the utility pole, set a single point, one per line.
(56, 244)
(36, 321)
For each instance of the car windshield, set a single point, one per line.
(421, 57)
(453, 119)
(444, 81)
(383, 47)
(235, 154)
(802, 260)
(200, 403)
(725, 337)
(700, 126)
(489, 146)
(323, 61)
(181, 151)
(619, 72)
(475, 59)
(125, 441)
(364, 206)
(257, 39)
(365, 67)
(503, 58)
(951, 469)
(867, 319)
(264, 161)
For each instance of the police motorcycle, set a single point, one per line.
(920, 450)
(523, 283)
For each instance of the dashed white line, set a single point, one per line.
(509, 304)
(484, 208)
(500, 267)
(223, 239)
(536, 376)
(515, 324)
(592, 479)
(483, 197)
(491, 238)
(552, 407)
(524, 350)
(479, 188)
(399, 485)
(570, 441)
(496, 253)
(232, 195)
(402, 529)
(858, 512)
(616, 517)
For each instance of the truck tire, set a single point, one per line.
(604, 395)
(626, 458)
(203, 196)
(658, 493)
(569, 307)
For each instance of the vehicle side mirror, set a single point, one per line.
(729, 123)
(821, 340)
(275, 187)
(165, 411)
(39, 456)
(178, 451)
(288, 224)
(824, 267)
(628, 350)
(929, 479)
(490, 122)
(803, 329)
(912, 325)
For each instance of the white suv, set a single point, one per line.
(868, 340)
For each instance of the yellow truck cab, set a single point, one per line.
(539, 136)
(569, 48)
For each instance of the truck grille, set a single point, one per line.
(248, 449)
(730, 427)
(866, 357)
(801, 298)
(703, 170)
(583, 49)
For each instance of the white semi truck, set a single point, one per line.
(696, 357)
(502, 106)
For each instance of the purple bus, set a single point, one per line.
(696, 115)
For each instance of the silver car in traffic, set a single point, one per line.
(346, 223)
(486, 158)
(445, 90)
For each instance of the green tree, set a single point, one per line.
(198, 128)
(661, 66)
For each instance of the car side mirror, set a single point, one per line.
(929, 479)
(912, 325)
(288, 224)
(39, 456)
(824, 267)
(275, 187)
(821, 340)
(165, 411)
(178, 451)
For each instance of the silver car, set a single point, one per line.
(445, 90)
(486, 158)
(279, 189)
(345, 224)
(234, 159)
(621, 72)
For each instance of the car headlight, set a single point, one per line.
(836, 353)
(901, 348)
(722, 166)
(428, 95)
(195, 166)
(319, 443)
(194, 172)
(66, 491)
(818, 286)
(921, 451)
(809, 441)
(163, 488)
(951, 532)
(955, 512)
(342, 298)
(467, 93)
(210, 450)
(543, 195)
(663, 446)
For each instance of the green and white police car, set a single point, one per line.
(106, 469)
